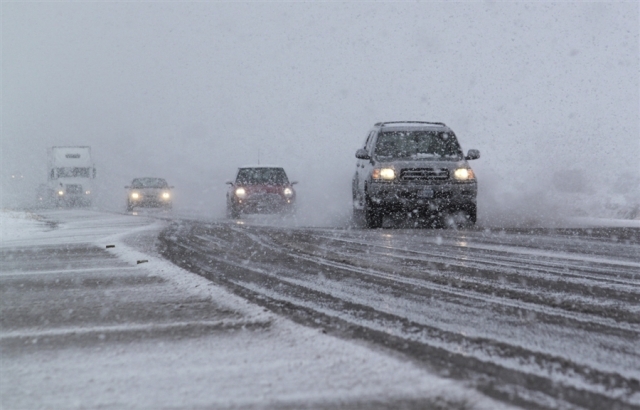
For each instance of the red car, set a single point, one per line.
(260, 189)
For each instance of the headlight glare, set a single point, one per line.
(166, 195)
(288, 192)
(60, 193)
(135, 195)
(384, 173)
(241, 193)
(463, 174)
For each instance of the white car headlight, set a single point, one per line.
(135, 195)
(166, 195)
(384, 173)
(463, 174)
(241, 193)
(288, 192)
(60, 193)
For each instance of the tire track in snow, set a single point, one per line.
(249, 261)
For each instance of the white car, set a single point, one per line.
(149, 192)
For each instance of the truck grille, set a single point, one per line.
(74, 189)
(424, 174)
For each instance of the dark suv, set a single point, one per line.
(414, 168)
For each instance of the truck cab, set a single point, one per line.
(71, 172)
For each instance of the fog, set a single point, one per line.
(549, 93)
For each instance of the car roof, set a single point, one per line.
(414, 125)
(260, 166)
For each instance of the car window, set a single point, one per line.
(252, 176)
(415, 145)
(149, 183)
(367, 142)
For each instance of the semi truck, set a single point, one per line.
(70, 175)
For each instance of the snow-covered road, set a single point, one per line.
(84, 325)
(535, 317)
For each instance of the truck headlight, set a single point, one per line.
(386, 174)
(288, 192)
(135, 195)
(464, 174)
(166, 195)
(241, 193)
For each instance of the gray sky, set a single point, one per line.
(190, 91)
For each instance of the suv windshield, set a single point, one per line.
(149, 183)
(268, 176)
(415, 145)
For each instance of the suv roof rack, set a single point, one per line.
(382, 124)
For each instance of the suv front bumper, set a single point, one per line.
(429, 197)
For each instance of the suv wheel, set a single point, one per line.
(232, 212)
(458, 219)
(372, 215)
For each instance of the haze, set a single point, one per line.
(191, 91)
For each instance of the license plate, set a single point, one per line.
(425, 193)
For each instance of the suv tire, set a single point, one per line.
(232, 212)
(372, 215)
(458, 219)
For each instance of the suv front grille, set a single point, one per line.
(424, 174)
(74, 189)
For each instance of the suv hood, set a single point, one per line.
(398, 165)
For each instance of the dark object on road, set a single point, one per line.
(111, 246)
(260, 189)
(414, 168)
(149, 192)
(142, 261)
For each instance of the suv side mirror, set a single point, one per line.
(127, 187)
(228, 182)
(293, 182)
(472, 154)
(171, 187)
(362, 154)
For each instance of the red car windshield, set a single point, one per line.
(262, 176)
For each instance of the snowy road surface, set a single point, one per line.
(536, 317)
(86, 326)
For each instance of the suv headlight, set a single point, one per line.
(135, 195)
(241, 193)
(464, 174)
(386, 174)
(288, 192)
(166, 195)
